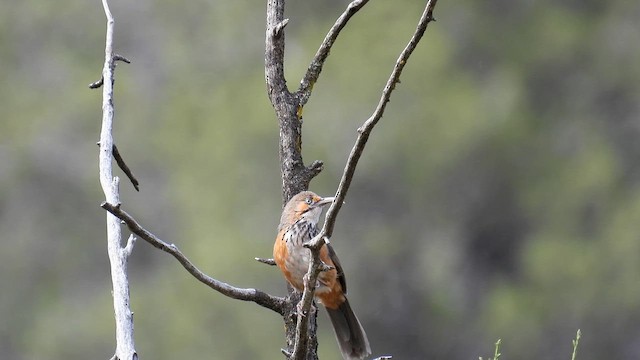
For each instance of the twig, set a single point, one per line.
(364, 131)
(96, 84)
(259, 297)
(302, 327)
(117, 57)
(99, 83)
(314, 169)
(131, 242)
(315, 67)
(285, 353)
(118, 256)
(575, 345)
(279, 28)
(123, 166)
(266, 261)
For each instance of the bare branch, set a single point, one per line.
(366, 128)
(285, 353)
(117, 57)
(310, 279)
(96, 84)
(261, 298)
(99, 83)
(123, 166)
(315, 67)
(327, 230)
(314, 169)
(118, 257)
(266, 261)
(279, 28)
(131, 242)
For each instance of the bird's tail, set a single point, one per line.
(350, 334)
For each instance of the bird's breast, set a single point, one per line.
(297, 264)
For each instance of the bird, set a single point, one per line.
(299, 224)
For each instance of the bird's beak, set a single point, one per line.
(325, 201)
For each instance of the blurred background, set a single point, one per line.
(499, 197)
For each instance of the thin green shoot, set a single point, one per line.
(575, 345)
(496, 353)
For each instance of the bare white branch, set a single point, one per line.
(125, 345)
(131, 242)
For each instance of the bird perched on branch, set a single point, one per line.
(299, 224)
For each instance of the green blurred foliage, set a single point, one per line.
(499, 197)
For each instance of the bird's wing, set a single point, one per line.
(336, 263)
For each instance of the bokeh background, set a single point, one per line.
(499, 197)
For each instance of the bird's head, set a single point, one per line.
(305, 205)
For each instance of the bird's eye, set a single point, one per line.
(309, 201)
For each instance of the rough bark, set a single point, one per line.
(295, 175)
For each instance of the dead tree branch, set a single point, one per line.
(259, 297)
(270, 262)
(302, 325)
(123, 166)
(118, 255)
